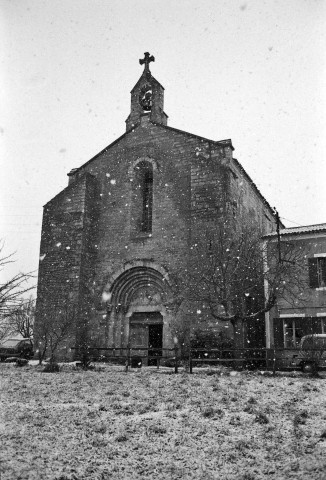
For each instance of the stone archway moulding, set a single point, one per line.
(139, 160)
(134, 264)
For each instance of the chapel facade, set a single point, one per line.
(116, 241)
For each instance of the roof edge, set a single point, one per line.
(75, 170)
(238, 164)
(303, 230)
(144, 76)
(222, 143)
(69, 187)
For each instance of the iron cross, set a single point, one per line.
(146, 61)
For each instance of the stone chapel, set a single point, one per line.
(116, 238)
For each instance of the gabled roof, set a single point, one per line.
(148, 79)
(74, 170)
(318, 228)
(221, 143)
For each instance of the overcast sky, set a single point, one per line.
(252, 71)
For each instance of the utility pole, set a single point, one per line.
(277, 217)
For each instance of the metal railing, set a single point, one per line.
(271, 359)
(94, 353)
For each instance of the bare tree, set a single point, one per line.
(228, 273)
(12, 290)
(5, 328)
(21, 318)
(54, 330)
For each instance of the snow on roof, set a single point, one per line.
(319, 227)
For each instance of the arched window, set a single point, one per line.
(142, 204)
(147, 194)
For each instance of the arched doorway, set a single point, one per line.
(138, 315)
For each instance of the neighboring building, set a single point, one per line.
(116, 242)
(286, 324)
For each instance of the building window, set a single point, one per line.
(289, 331)
(317, 272)
(293, 332)
(323, 325)
(147, 194)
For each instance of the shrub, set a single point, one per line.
(208, 412)
(11, 360)
(158, 429)
(261, 418)
(208, 339)
(300, 418)
(252, 400)
(235, 420)
(248, 476)
(51, 368)
(170, 362)
(21, 362)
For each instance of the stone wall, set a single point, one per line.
(89, 230)
(67, 255)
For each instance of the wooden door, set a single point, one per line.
(138, 338)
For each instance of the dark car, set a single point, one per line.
(312, 354)
(16, 347)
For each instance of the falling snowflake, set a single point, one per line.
(113, 182)
(58, 244)
(106, 296)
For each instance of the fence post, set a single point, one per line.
(266, 359)
(274, 362)
(176, 359)
(127, 358)
(190, 360)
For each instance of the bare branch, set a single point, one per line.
(12, 290)
(227, 272)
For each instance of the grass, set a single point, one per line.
(147, 423)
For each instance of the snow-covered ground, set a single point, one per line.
(152, 424)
